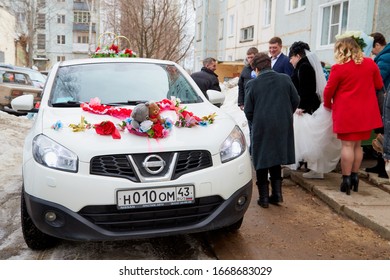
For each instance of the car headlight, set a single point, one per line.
(53, 155)
(233, 146)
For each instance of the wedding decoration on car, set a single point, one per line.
(107, 128)
(144, 120)
(113, 49)
(82, 126)
(57, 125)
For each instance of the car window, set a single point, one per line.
(21, 79)
(121, 82)
(7, 77)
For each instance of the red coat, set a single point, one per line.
(351, 94)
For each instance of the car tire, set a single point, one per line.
(235, 227)
(34, 238)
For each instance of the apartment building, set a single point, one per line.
(7, 36)
(59, 29)
(225, 29)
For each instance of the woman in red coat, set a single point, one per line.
(351, 95)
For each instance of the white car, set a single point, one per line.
(84, 180)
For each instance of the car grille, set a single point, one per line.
(120, 165)
(114, 165)
(110, 218)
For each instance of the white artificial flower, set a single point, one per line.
(145, 126)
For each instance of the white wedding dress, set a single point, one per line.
(315, 142)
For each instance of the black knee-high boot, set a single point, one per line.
(355, 181)
(263, 194)
(276, 196)
(346, 184)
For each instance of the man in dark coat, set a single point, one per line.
(245, 76)
(270, 102)
(279, 62)
(206, 78)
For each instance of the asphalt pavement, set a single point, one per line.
(370, 206)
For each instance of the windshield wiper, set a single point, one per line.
(129, 102)
(69, 103)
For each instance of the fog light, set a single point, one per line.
(50, 216)
(241, 200)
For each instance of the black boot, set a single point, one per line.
(263, 195)
(346, 184)
(276, 196)
(355, 181)
(379, 167)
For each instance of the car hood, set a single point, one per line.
(88, 143)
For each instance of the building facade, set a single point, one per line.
(59, 29)
(7, 36)
(225, 29)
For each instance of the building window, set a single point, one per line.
(41, 41)
(334, 20)
(61, 39)
(82, 17)
(295, 5)
(41, 4)
(231, 25)
(246, 34)
(61, 19)
(267, 12)
(221, 28)
(61, 58)
(82, 39)
(199, 31)
(41, 21)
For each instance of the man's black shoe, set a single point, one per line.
(374, 169)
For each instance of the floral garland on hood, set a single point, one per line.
(153, 126)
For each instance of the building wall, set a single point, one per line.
(300, 25)
(7, 37)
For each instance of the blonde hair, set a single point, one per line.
(346, 49)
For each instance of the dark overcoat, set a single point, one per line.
(270, 102)
(304, 79)
(206, 79)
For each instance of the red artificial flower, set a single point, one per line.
(97, 49)
(129, 52)
(115, 48)
(107, 128)
(158, 130)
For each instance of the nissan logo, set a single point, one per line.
(153, 164)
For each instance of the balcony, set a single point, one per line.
(80, 6)
(83, 27)
(82, 48)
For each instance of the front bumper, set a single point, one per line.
(108, 223)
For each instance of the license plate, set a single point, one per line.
(155, 197)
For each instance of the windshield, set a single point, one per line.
(37, 76)
(121, 83)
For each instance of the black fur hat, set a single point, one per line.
(298, 48)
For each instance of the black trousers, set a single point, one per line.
(275, 173)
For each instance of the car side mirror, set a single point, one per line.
(23, 103)
(216, 97)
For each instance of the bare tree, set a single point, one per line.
(157, 28)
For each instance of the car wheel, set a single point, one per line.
(34, 238)
(236, 226)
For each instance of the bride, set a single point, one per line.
(315, 142)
